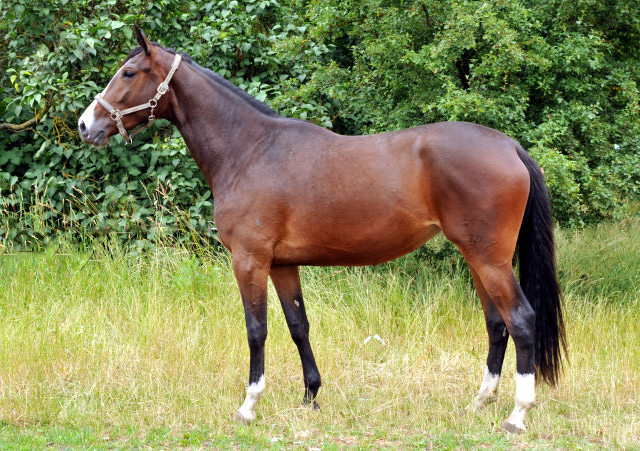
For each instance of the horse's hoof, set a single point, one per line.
(245, 417)
(314, 405)
(512, 428)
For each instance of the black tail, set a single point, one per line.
(538, 275)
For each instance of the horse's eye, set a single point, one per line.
(128, 74)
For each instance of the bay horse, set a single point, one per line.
(290, 193)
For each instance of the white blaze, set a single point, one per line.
(89, 115)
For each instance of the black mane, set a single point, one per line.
(260, 106)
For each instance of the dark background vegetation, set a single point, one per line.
(560, 76)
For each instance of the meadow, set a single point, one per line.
(104, 349)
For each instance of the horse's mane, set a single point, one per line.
(260, 106)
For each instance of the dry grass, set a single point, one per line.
(107, 350)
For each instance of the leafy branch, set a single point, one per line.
(16, 128)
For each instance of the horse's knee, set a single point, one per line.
(256, 335)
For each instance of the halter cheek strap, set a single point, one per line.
(117, 115)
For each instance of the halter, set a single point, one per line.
(117, 115)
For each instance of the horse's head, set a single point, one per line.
(134, 96)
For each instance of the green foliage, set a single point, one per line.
(561, 77)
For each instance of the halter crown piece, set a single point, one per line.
(117, 115)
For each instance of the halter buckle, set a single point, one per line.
(163, 88)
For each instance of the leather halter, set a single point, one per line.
(117, 115)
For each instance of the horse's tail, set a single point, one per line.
(538, 275)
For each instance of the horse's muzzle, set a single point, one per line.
(97, 137)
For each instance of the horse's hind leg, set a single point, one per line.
(286, 280)
(503, 289)
(498, 339)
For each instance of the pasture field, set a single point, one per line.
(100, 349)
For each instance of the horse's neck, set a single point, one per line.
(221, 129)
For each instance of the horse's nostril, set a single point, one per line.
(83, 128)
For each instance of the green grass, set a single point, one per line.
(107, 350)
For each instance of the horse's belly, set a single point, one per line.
(352, 247)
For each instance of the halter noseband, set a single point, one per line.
(117, 115)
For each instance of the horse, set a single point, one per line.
(290, 193)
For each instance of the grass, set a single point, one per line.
(107, 350)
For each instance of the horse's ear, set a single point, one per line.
(142, 40)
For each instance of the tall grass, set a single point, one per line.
(108, 348)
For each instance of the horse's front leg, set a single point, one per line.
(286, 280)
(251, 273)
